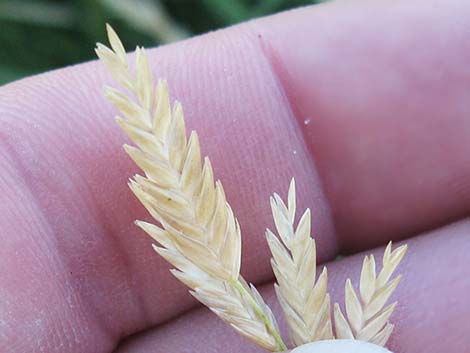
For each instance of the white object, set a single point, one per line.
(340, 346)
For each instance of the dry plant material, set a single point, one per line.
(200, 236)
(305, 302)
(199, 233)
(367, 319)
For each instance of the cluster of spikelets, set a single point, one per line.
(200, 236)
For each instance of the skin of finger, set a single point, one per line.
(68, 227)
(388, 125)
(60, 143)
(431, 315)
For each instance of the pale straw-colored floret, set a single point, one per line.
(304, 300)
(199, 234)
(367, 319)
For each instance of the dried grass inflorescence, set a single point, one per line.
(199, 234)
(305, 302)
(367, 319)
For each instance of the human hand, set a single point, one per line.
(365, 104)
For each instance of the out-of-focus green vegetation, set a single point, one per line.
(39, 35)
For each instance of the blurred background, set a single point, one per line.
(39, 35)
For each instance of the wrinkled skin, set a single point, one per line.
(366, 103)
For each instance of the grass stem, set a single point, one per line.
(259, 311)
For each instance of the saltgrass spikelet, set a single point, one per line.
(200, 235)
(305, 302)
(367, 319)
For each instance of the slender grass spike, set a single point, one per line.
(199, 235)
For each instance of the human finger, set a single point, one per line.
(431, 315)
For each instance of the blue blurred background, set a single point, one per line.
(36, 36)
